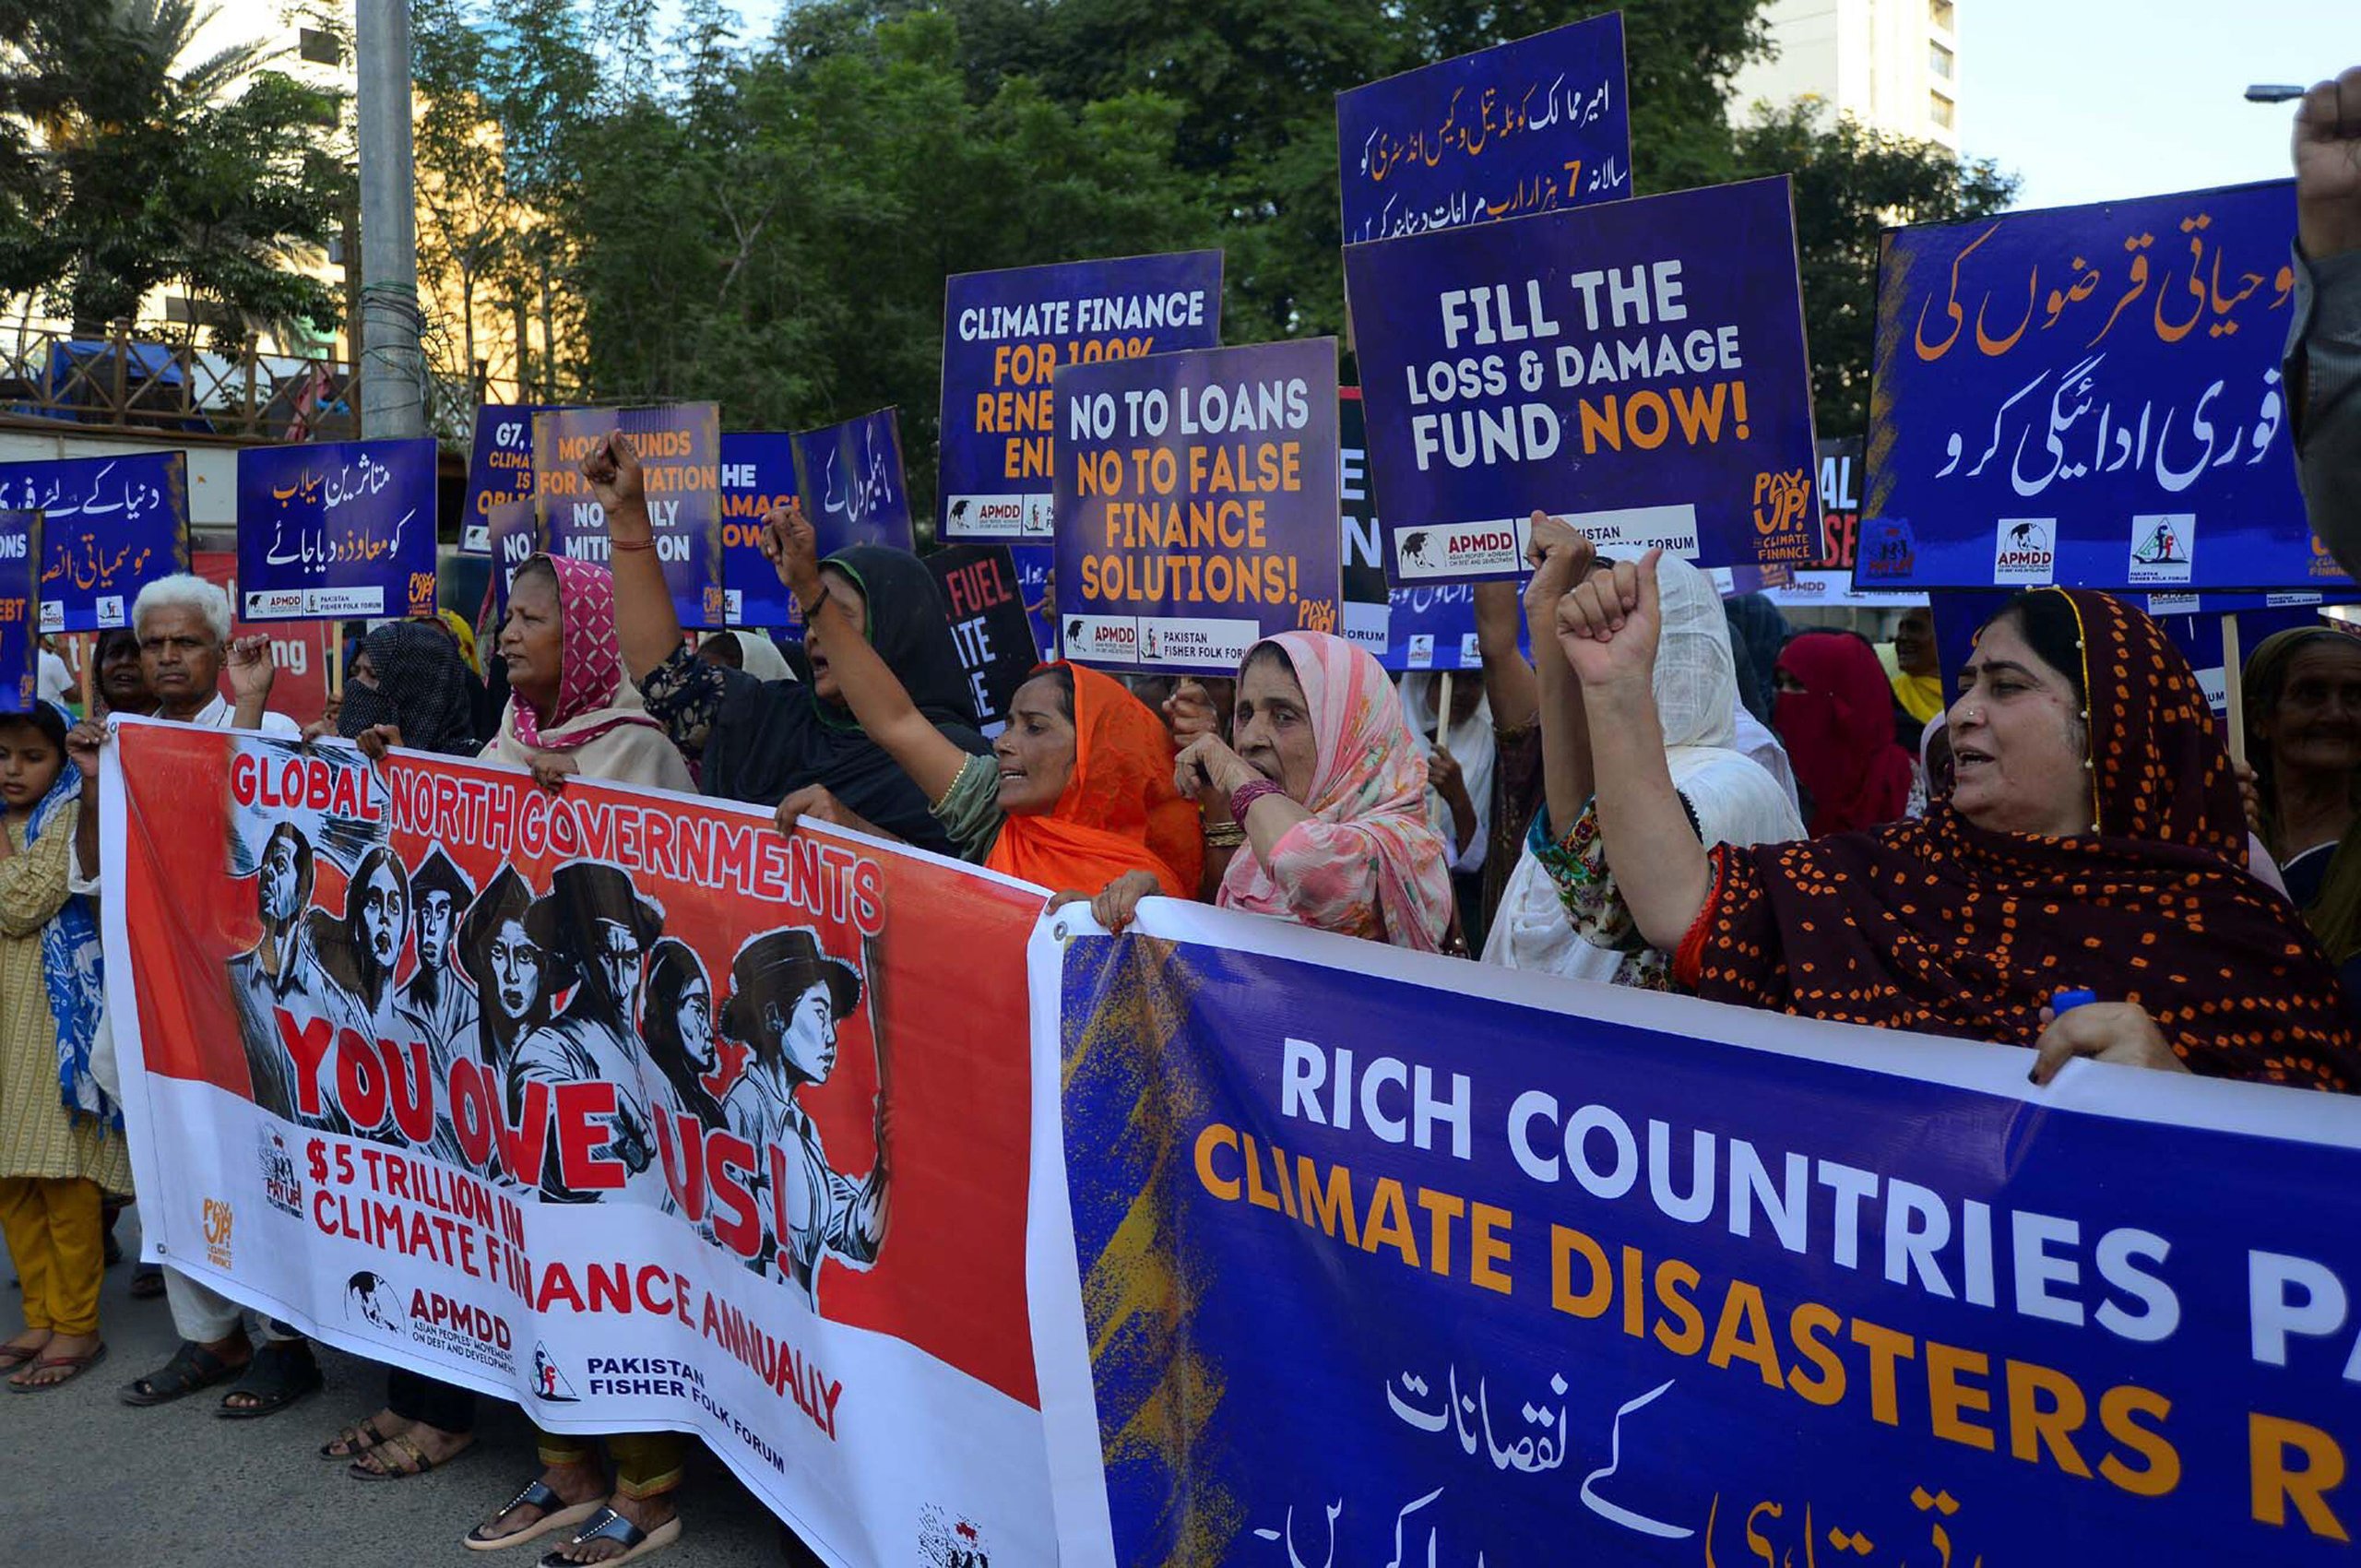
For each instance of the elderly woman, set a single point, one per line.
(2094, 840)
(2303, 715)
(1326, 791)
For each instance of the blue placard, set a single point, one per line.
(680, 457)
(500, 468)
(110, 526)
(335, 532)
(20, 533)
(513, 536)
(1354, 1257)
(1535, 126)
(1005, 333)
(1034, 564)
(850, 477)
(2089, 396)
(757, 473)
(1636, 367)
(1197, 504)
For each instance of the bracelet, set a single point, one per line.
(1242, 797)
(1224, 835)
(647, 543)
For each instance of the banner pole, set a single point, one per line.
(89, 674)
(2233, 667)
(335, 659)
(1442, 714)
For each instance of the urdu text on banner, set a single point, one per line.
(615, 1103)
(110, 526)
(1634, 366)
(2089, 396)
(336, 531)
(1342, 1254)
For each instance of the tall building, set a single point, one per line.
(1893, 65)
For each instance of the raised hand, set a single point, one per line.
(792, 546)
(252, 667)
(1608, 626)
(2328, 167)
(1188, 713)
(1560, 557)
(611, 466)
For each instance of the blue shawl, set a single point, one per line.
(69, 966)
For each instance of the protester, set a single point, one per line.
(1758, 631)
(571, 708)
(183, 624)
(2094, 840)
(749, 651)
(1834, 714)
(770, 742)
(61, 1147)
(2324, 359)
(1462, 754)
(1918, 683)
(2303, 716)
(1329, 791)
(1935, 763)
(416, 692)
(57, 682)
(122, 686)
(1561, 914)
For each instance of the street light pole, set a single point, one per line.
(392, 368)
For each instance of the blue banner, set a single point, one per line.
(1004, 335)
(512, 534)
(1644, 359)
(500, 468)
(1197, 509)
(757, 473)
(110, 526)
(2089, 396)
(1034, 564)
(20, 532)
(850, 477)
(1519, 128)
(679, 454)
(335, 532)
(1346, 1256)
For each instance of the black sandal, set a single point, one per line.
(355, 1440)
(147, 1283)
(191, 1366)
(282, 1373)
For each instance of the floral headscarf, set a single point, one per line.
(594, 694)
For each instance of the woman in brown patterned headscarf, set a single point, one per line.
(2093, 841)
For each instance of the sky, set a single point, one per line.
(2083, 100)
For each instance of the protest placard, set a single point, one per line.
(1534, 126)
(20, 610)
(1197, 506)
(110, 526)
(1005, 333)
(1033, 565)
(990, 625)
(513, 528)
(680, 452)
(757, 473)
(851, 479)
(1364, 610)
(2089, 396)
(500, 468)
(336, 531)
(1635, 366)
(1347, 1254)
(659, 1204)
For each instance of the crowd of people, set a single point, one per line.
(2055, 854)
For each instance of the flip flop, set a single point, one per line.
(556, 1515)
(15, 1356)
(73, 1366)
(608, 1525)
(394, 1450)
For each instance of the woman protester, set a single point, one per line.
(2303, 717)
(1462, 752)
(1076, 792)
(2094, 840)
(781, 742)
(1561, 914)
(1834, 714)
(1327, 793)
(62, 1147)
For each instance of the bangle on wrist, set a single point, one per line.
(1224, 835)
(1242, 799)
(623, 544)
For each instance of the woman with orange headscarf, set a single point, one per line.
(1078, 789)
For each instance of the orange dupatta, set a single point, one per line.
(1119, 812)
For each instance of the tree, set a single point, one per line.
(154, 167)
(1851, 183)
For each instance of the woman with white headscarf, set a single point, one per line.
(1561, 912)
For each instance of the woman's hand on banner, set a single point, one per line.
(83, 743)
(1607, 626)
(2328, 167)
(375, 740)
(611, 466)
(792, 546)
(550, 769)
(1117, 903)
(2120, 1032)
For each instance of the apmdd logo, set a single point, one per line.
(2021, 551)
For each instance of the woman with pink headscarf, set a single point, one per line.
(1323, 791)
(571, 708)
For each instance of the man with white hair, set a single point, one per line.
(183, 624)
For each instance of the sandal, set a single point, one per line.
(73, 1366)
(556, 1515)
(15, 1356)
(355, 1440)
(191, 1366)
(608, 1525)
(399, 1457)
(282, 1371)
(147, 1283)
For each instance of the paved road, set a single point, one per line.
(87, 1481)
